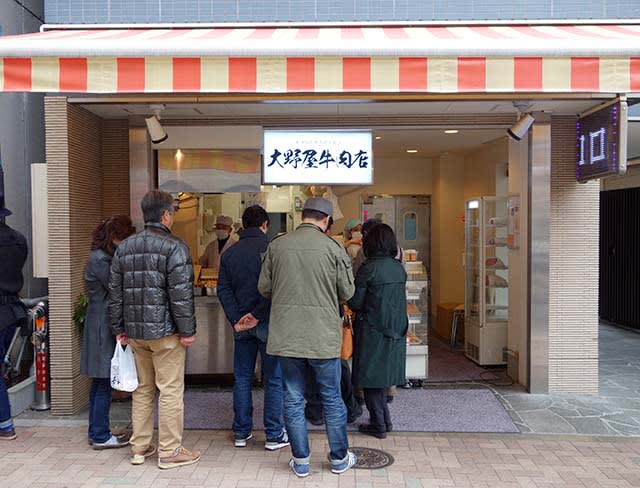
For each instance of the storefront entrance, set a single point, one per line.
(415, 162)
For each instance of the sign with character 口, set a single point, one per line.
(601, 143)
(317, 157)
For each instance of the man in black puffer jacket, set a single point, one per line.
(152, 307)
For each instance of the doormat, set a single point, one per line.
(417, 410)
(371, 458)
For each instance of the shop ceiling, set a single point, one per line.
(401, 126)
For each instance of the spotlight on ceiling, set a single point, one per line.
(156, 131)
(525, 120)
(518, 130)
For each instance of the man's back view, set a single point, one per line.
(152, 308)
(308, 276)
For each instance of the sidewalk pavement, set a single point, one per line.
(55, 457)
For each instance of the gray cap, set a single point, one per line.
(319, 204)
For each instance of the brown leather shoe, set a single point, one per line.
(7, 435)
(181, 457)
(138, 458)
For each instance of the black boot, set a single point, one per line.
(369, 429)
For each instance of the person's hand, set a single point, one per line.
(187, 341)
(123, 339)
(245, 323)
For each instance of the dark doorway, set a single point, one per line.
(620, 257)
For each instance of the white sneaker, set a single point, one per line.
(112, 443)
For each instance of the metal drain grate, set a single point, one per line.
(371, 458)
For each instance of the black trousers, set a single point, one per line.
(376, 401)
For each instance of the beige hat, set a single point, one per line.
(224, 220)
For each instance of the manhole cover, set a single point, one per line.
(371, 458)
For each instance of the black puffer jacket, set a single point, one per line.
(151, 286)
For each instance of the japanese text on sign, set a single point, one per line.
(329, 157)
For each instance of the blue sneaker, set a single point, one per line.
(301, 470)
(345, 465)
(240, 440)
(277, 443)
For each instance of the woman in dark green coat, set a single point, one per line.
(380, 304)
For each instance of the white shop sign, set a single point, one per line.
(317, 157)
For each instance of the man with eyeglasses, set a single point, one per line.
(152, 309)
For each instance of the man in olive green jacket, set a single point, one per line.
(307, 275)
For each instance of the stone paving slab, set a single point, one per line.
(54, 457)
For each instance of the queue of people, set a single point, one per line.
(284, 300)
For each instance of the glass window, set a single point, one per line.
(410, 226)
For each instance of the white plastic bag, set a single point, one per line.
(124, 376)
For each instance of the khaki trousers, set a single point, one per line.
(160, 363)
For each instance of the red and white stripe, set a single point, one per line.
(438, 59)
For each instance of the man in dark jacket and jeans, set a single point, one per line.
(248, 313)
(152, 308)
(13, 254)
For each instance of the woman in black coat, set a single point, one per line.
(98, 343)
(380, 304)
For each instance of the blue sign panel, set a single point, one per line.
(601, 143)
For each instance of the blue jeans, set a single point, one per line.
(6, 422)
(327, 376)
(247, 345)
(99, 406)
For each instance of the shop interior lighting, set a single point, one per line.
(451, 131)
(474, 204)
(412, 151)
(378, 138)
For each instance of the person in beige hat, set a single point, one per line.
(223, 241)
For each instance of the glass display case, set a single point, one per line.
(417, 365)
(486, 280)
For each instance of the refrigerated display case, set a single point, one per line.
(486, 280)
(417, 363)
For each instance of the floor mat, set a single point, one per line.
(417, 410)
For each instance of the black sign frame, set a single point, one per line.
(601, 142)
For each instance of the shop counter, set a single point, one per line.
(212, 352)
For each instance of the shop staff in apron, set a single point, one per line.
(224, 240)
(13, 254)
(308, 277)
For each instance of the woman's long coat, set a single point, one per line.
(380, 303)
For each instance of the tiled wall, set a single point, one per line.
(573, 268)
(115, 167)
(75, 206)
(88, 177)
(156, 11)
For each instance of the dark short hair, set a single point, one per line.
(330, 224)
(117, 227)
(314, 215)
(380, 241)
(366, 227)
(254, 216)
(154, 204)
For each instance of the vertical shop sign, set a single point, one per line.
(317, 157)
(601, 143)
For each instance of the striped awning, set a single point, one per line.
(421, 59)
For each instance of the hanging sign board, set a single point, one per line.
(601, 143)
(317, 157)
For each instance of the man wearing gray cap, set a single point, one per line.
(223, 241)
(307, 275)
